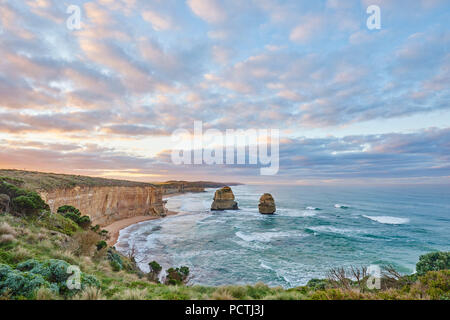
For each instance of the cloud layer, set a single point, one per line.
(96, 98)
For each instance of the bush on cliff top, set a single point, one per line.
(23, 201)
(433, 261)
(74, 214)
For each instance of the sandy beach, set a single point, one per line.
(114, 228)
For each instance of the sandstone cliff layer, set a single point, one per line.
(106, 204)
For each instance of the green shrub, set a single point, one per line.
(101, 244)
(155, 269)
(65, 209)
(74, 214)
(32, 274)
(115, 260)
(55, 273)
(19, 284)
(102, 232)
(11, 190)
(177, 276)
(155, 266)
(436, 284)
(318, 284)
(433, 261)
(23, 201)
(84, 222)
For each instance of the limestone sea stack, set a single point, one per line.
(266, 204)
(224, 200)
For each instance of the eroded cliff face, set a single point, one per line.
(106, 204)
(181, 188)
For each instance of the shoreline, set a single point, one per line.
(115, 227)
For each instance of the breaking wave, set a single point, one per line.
(387, 219)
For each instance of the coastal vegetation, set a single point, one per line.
(75, 215)
(38, 250)
(32, 180)
(41, 181)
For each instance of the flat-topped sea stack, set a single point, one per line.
(224, 200)
(266, 204)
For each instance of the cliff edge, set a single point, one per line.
(103, 200)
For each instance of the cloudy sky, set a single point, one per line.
(353, 105)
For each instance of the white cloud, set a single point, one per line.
(158, 21)
(308, 28)
(209, 10)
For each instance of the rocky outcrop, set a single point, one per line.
(4, 203)
(106, 204)
(266, 204)
(224, 200)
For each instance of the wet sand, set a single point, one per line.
(115, 227)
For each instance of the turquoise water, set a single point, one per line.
(314, 229)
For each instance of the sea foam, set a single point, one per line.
(262, 236)
(387, 219)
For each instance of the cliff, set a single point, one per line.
(171, 187)
(106, 204)
(103, 200)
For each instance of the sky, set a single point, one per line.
(353, 105)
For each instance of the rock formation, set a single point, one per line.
(4, 203)
(224, 200)
(266, 204)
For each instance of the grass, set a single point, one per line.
(42, 181)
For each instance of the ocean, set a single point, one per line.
(315, 228)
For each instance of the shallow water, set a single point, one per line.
(314, 229)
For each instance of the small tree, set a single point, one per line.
(433, 261)
(360, 275)
(338, 277)
(155, 270)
